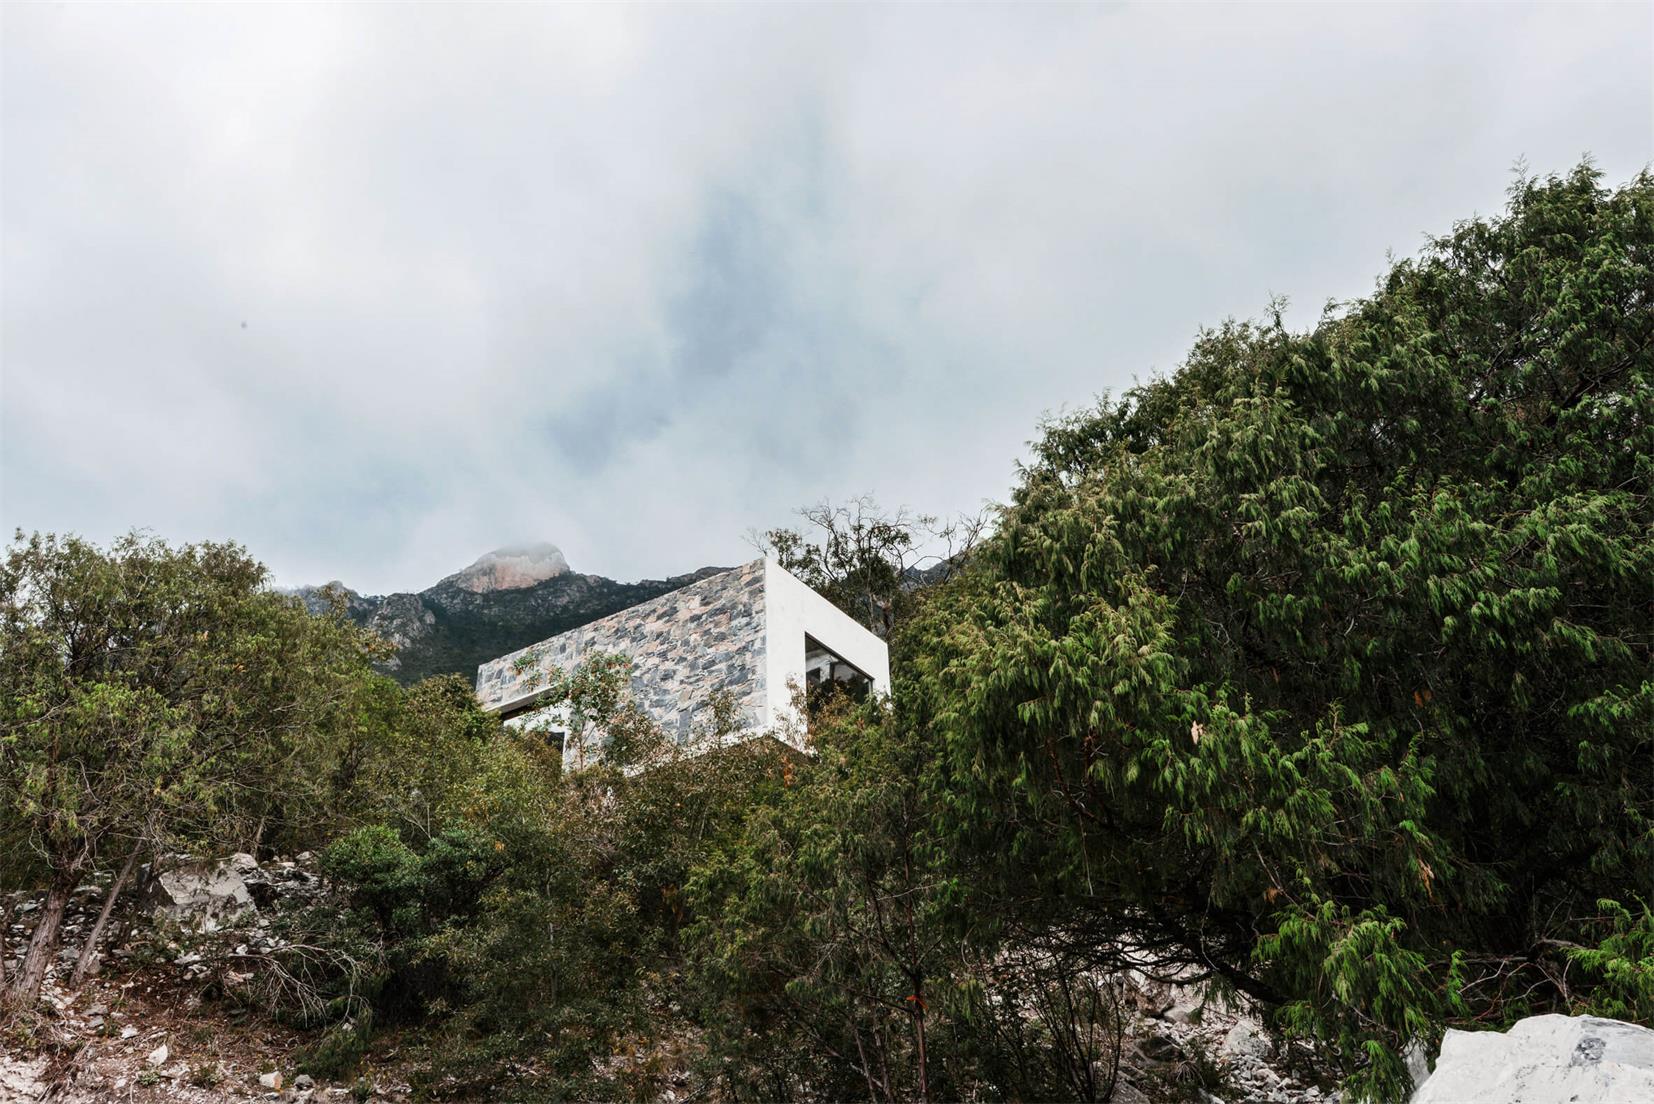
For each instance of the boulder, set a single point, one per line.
(1246, 1040)
(1545, 1060)
(203, 896)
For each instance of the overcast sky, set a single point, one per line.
(374, 289)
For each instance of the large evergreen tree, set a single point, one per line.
(1325, 667)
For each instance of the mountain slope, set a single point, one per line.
(506, 600)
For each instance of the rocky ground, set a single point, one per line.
(154, 1024)
(178, 1014)
(141, 1037)
(171, 1016)
(1203, 1050)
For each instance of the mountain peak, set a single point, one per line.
(511, 568)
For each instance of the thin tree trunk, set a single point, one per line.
(919, 1040)
(25, 988)
(146, 879)
(88, 961)
(5, 930)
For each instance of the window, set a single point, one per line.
(826, 672)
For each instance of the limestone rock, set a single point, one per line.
(204, 896)
(22, 1079)
(1246, 1040)
(159, 1056)
(270, 1081)
(512, 568)
(403, 619)
(1545, 1060)
(1418, 1062)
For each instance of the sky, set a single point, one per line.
(373, 289)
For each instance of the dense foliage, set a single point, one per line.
(1326, 666)
(521, 912)
(835, 955)
(150, 695)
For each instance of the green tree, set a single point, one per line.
(821, 944)
(1323, 667)
(559, 945)
(834, 952)
(148, 693)
(411, 760)
(869, 562)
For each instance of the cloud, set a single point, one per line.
(375, 289)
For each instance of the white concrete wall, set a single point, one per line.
(791, 611)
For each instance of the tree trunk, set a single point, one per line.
(5, 930)
(145, 880)
(87, 963)
(919, 1042)
(25, 988)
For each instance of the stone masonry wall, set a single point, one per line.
(684, 645)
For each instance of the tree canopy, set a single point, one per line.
(1326, 665)
(151, 693)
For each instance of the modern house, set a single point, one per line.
(754, 632)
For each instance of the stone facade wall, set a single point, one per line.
(684, 645)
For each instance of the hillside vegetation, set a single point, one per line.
(1319, 674)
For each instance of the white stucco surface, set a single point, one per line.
(793, 611)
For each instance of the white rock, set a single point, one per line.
(203, 896)
(128, 1031)
(1246, 1040)
(22, 1080)
(1418, 1062)
(159, 1055)
(1545, 1060)
(270, 1080)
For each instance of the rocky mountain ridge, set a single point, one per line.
(505, 600)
